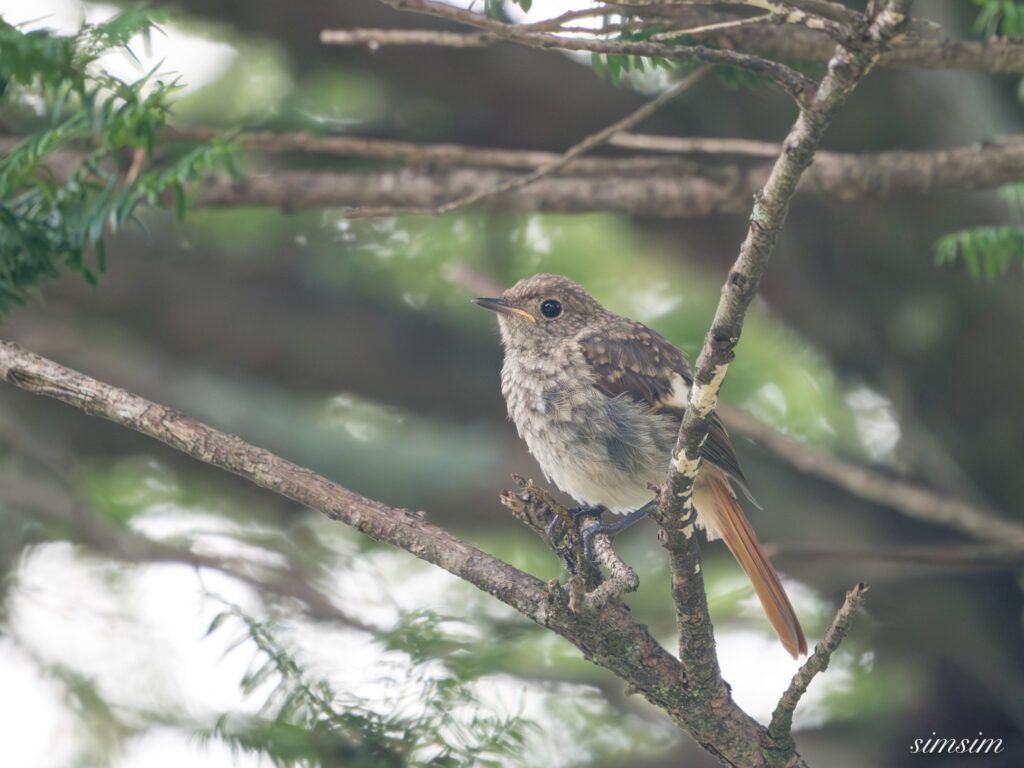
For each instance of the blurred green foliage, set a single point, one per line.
(306, 722)
(410, 262)
(987, 252)
(1000, 17)
(66, 185)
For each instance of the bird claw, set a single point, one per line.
(588, 533)
(575, 514)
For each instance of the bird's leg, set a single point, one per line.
(575, 514)
(588, 533)
(578, 513)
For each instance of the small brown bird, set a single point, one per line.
(598, 398)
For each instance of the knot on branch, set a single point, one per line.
(589, 590)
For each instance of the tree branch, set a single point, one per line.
(980, 557)
(782, 719)
(997, 55)
(798, 86)
(560, 161)
(650, 186)
(675, 511)
(606, 634)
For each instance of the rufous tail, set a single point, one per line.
(739, 537)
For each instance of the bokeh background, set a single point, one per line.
(351, 347)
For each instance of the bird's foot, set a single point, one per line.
(575, 514)
(592, 530)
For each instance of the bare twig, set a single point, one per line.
(698, 146)
(797, 85)
(996, 55)
(782, 718)
(835, 19)
(622, 578)
(548, 169)
(717, 26)
(375, 38)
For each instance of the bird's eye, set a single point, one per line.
(551, 308)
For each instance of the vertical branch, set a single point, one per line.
(675, 510)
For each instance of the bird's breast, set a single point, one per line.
(601, 450)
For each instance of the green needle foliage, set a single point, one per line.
(987, 251)
(86, 162)
(1000, 17)
(307, 722)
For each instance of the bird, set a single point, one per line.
(598, 398)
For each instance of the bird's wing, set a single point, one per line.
(638, 363)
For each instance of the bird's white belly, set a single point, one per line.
(602, 451)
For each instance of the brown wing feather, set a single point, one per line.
(637, 362)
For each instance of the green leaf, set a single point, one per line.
(48, 222)
(986, 251)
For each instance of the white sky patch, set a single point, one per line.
(768, 403)
(364, 420)
(653, 301)
(537, 238)
(206, 534)
(174, 52)
(140, 634)
(169, 748)
(35, 729)
(875, 419)
(759, 670)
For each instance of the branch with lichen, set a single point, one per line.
(675, 511)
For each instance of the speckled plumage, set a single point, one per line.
(598, 398)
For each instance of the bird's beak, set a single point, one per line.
(500, 305)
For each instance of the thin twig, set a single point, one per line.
(375, 38)
(588, 143)
(699, 145)
(797, 85)
(782, 718)
(622, 579)
(997, 55)
(719, 26)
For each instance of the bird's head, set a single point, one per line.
(542, 310)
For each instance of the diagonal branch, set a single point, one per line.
(606, 634)
(997, 55)
(782, 718)
(560, 161)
